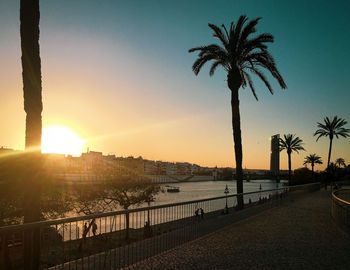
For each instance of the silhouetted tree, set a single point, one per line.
(340, 162)
(291, 144)
(239, 55)
(31, 73)
(88, 199)
(331, 171)
(312, 159)
(128, 191)
(13, 200)
(331, 128)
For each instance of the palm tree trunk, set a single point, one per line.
(289, 168)
(330, 152)
(313, 174)
(31, 74)
(234, 83)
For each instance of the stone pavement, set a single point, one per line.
(299, 234)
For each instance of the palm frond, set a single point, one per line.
(235, 35)
(198, 64)
(332, 127)
(251, 85)
(249, 29)
(219, 34)
(227, 34)
(291, 143)
(215, 65)
(262, 77)
(240, 54)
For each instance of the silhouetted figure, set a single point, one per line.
(51, 260)
(196, 213)
(94, 228)
(86, 230)
(147, 230)
(202, 213)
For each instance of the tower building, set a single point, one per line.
(275, 155)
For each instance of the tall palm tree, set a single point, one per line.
(313, 159)
(340, 162)
(31, 65)
(291, 144)
(331, 128)
(31, 74)
(240, 55)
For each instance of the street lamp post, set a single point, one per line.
(226, 192)
(150, 199)
(260, 194)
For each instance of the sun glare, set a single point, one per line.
(61, 140)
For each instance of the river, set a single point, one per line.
(189, 191)
(208, 189)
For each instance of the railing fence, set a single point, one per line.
(341, 208)
(118, 239)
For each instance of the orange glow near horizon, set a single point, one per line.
(61, 140)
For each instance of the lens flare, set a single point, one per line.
(61, 140)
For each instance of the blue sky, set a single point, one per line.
(112, 66)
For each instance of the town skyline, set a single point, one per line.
(4, 150)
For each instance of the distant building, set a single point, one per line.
(170, 168)
(183, 168)
(275, 155)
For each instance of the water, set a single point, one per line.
(209, 189)
(188, 192)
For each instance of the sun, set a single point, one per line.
(61, 140)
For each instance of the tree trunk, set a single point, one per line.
(313, 174)
(31, 74)
(85, 233)
(234, 83)
(330, 152)
(289, 168)
(127, 225)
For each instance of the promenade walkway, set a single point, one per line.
(299, 234)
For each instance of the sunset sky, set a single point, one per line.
(118, 73)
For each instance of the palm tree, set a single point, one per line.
(31, 74)
(312, 159)
(331, 128)
(340, 162)
(239, 55)
(291, 144)
(31, 64)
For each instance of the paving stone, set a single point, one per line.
(299, 234)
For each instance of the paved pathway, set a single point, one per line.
(297, 235)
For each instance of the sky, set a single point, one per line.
(118, 73)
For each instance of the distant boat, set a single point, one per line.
(173, 189)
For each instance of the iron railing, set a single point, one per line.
(341, 208)
(119, 239)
